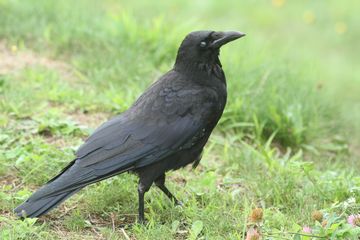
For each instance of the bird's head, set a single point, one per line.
(203, 47)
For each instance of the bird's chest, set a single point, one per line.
(214, 103)
(217, 100)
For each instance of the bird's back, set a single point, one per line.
(173, 114)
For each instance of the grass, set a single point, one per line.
(288, 141)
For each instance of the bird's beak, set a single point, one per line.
(225, 37)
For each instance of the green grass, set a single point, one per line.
(288, 141)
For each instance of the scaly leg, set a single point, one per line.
(160, 183)
(142, 189)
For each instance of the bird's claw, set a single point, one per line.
(127, 225)
(142, 221)
(179, 203)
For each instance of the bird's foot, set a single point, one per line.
(142, 221)
(126, 225)
(179, 203)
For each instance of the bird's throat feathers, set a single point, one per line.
(210, 65)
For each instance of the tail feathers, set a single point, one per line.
(35, 208)
(73, 178)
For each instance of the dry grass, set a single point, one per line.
(12, 60)
(92, 120)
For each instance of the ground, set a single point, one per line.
(287, 145)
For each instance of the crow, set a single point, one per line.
(165, 129)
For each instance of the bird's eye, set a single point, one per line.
(203, 44)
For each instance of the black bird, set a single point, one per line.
(165, 129)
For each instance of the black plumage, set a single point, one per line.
(165, 129)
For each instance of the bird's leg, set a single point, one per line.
(142, 189)
(160, 183)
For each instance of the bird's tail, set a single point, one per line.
(47, 197)
(36, 207)
(69, 181)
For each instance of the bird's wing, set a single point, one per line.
(173, 120)
(160, 123)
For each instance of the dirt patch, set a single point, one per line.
(13, 60)
(92, 120)
(94, 224)
(7, 215)
(10, 180)
(59, 142)
(88, 120)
